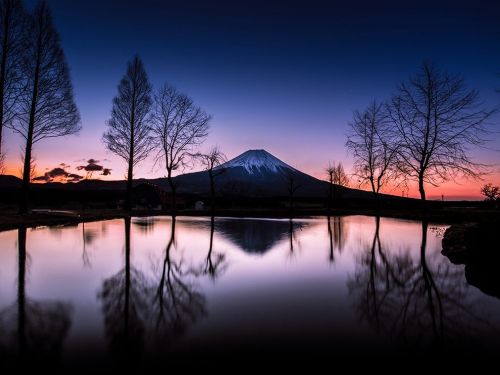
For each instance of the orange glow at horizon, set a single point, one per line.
(465, 189)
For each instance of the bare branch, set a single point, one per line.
(435, 120)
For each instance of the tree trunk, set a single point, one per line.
(130, 175)
(212, 191)
(128, 198)
(421, 188)
(31, 127)
(172, 188)
(330, 196)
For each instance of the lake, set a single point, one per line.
(147, 288)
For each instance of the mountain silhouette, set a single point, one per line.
(254, 173)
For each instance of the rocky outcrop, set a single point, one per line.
(478, 247)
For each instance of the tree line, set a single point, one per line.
(36, 101)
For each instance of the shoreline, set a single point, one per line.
(11, 220)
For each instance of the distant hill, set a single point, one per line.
(9, 181)
(254, 173)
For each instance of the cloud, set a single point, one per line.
(58, 174)
(43, 178)
(93, 166)
(72, 177)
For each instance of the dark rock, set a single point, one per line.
(478, 247)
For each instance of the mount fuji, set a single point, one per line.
(257, 173)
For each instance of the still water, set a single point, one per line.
(150, 288)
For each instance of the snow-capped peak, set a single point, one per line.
(255, 161)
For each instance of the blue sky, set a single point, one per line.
(283, 76)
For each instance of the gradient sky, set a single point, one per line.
(282, 76)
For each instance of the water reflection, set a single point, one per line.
(150, 310)
(145, 224)
(124, 306)
(191, 285)
(216, 262)
(34, 331)
(177, 302)
(419, 301)
(337, 237)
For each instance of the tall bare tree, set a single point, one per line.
(211, 160)
(128, 132)
(46, 105)
(370, 142)
(436, 120)
(12, 40)
(179, 126)
(337, 178)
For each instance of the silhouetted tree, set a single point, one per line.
(178, 127)
(292, 185)
(12, 43)
(435, 120)
(369, 141)
(46, 105)
(337, 179)
(211, 160)
(128, 132)
(491, 193)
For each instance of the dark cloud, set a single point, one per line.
(56, 172)
(43, 178)
(93, 166)
(74, 177)
(60, 174)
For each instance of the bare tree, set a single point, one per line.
(46, 105)
(211, 161)
(369, 141)
(128, 132)
(292, 185)
(178, 127)
(337, 178)
(12, 40)
(491, 193)
(436, 119)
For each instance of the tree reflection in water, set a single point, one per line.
(176, 302)
(153, 312)
(125, 307)
(215, 263)
(337, 236)
(34, 331)
(416, 301)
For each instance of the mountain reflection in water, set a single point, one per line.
(133, 291)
